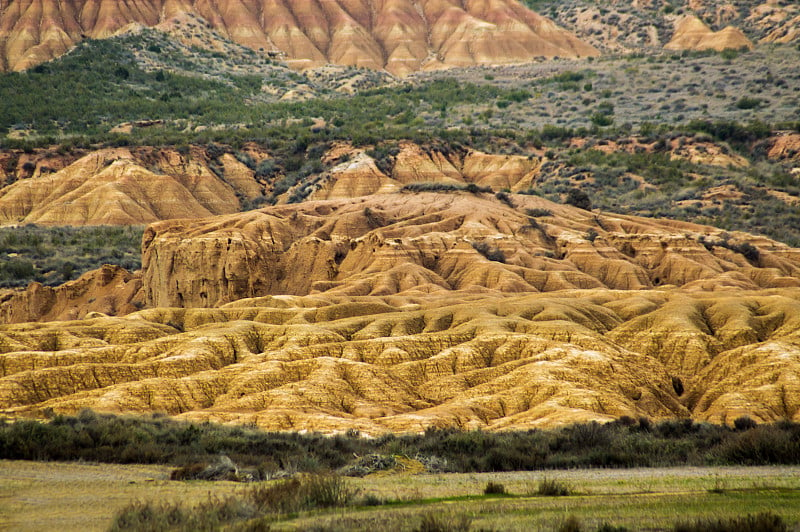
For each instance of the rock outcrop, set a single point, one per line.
(405, 363)
(691, 33)
(398, 312)
(360, 175)
(418, 243)
(108, 290)
(130, 187)
(398, 35)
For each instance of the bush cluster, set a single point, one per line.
(53, 255)
(623, 443)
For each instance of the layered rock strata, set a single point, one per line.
(396, 35)
(438, 242)
(405, 363)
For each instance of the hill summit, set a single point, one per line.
(399, 36)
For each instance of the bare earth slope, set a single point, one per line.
(406, 363)
(396, 35)
(398, 322)
(125, 187)
(424, 243)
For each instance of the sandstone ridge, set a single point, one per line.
(120, 186)
(439, 242)
(398, 36)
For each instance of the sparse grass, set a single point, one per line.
(35, 493)
(763, 522)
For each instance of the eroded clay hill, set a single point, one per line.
(691, 33)
(438, 242)
(141, 185)
(396, 35)
(122, 186)
(404, 363)
(403, 311)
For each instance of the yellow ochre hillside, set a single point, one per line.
(401, 311)
(399, 36)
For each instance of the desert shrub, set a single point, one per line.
(744, 423)
(548, 487)
(536, 213)
(327, 490)
(607, 527)
(623, 443)
(760, 445)
(746, 102)
(53, 255)
(494, 488)
(492, 253)
(570, 524)
(763, 522)
(475, 189)
(578, 198)
(505, 197)
(432, 187)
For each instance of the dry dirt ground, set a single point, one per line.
(82, 496)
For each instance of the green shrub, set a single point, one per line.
(578, 198)
(746, 102)
(492, 253)
(552, 488)
(494, 488)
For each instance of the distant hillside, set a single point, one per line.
(628, 25)
(398, 36)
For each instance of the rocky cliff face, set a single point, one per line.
(396, 35)
(108, 290)
(417, 243)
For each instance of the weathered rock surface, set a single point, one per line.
(359, 174)
(691, 33)
(420, 243)
(108, 290)
(395, 35)
(128, 187)
(404, 363)
(419, 310)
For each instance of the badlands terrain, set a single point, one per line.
(393, 216)
(407, 310)
(301, 242)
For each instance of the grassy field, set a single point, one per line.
(80, 496)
